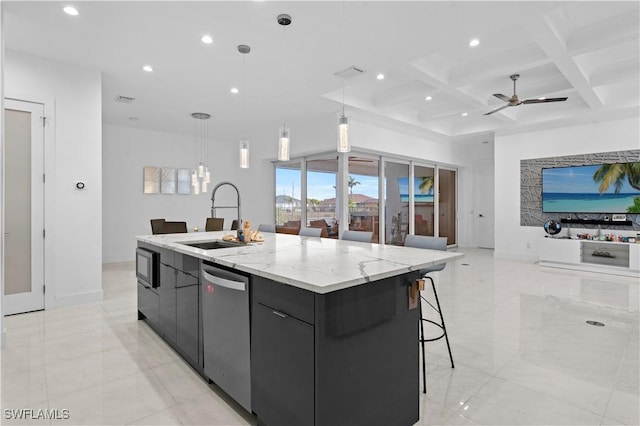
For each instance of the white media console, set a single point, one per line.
(592, 256)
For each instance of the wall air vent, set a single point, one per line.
(124, 99)
(350, 72)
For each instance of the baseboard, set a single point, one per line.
(79, 298)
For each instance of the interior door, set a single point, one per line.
(484, 203)
(23, 207)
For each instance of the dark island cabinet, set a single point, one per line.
(187, 316)
(167, 303)
(173, 308)
(283, 368)
(316, 358)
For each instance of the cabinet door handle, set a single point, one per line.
(280, 314)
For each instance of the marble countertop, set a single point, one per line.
(320, 265)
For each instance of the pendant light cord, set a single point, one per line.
(284, 75)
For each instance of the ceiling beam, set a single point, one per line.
(426, 73)
(548, 38)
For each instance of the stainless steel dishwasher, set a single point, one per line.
(225, 317)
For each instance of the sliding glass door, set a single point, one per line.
(363, 183)
(423, 202)
(288, 192)
(322, 181)
(395, 199)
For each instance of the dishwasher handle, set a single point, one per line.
(223, 282)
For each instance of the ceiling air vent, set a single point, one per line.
(350, 72)
(124, 99)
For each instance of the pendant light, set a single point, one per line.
(244, 142)
(284, 133)
(200, 176)
(343, 121)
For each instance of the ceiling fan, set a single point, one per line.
(514, 101)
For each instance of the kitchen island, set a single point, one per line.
(330, 331)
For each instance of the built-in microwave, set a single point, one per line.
(147, 267)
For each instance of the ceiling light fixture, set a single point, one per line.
(206, 39)
(428, 98)
(464, 114)
(244, 142)
(343, 121)
(284, 133)
(70, 10)
(474, 42)
(380, 76)
(148, 68)
(200, 176)
(234, 90)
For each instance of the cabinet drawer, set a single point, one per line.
(289, 300)
(148, 303)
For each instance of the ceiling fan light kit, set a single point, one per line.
(515, 101)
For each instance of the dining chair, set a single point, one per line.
(214, 224)
(157, 226)
(267, 227)
(362, 236)
(310, 232)
(430, 243)
(174, 228)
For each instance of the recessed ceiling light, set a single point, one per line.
(234, 90)
(474, 42)
(428, 98)
(542, 98)
(464, 114)
(380, 76)
(70, 10)
(207, 39)
(148, 68)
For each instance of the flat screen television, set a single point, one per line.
(599, 188)
(422, 189)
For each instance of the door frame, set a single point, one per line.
(48, 103)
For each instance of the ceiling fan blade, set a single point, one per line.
(541, 101)
(501, 96)
(497, 109)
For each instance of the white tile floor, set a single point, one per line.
(523, 352)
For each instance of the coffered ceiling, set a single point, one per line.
(587, 51)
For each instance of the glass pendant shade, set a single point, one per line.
(343, 134)
(200, 176)
(283, 143)
(244, 154)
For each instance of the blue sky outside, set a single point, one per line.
(576, 180)
(320, 185)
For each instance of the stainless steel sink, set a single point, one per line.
(212, 245)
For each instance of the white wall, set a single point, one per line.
(73, 218)
(127, 210)
(513, 240)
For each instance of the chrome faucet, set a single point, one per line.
(213, 204)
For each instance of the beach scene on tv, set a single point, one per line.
(601, 188)
(422, 189)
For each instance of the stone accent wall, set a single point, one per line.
(531, 187)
